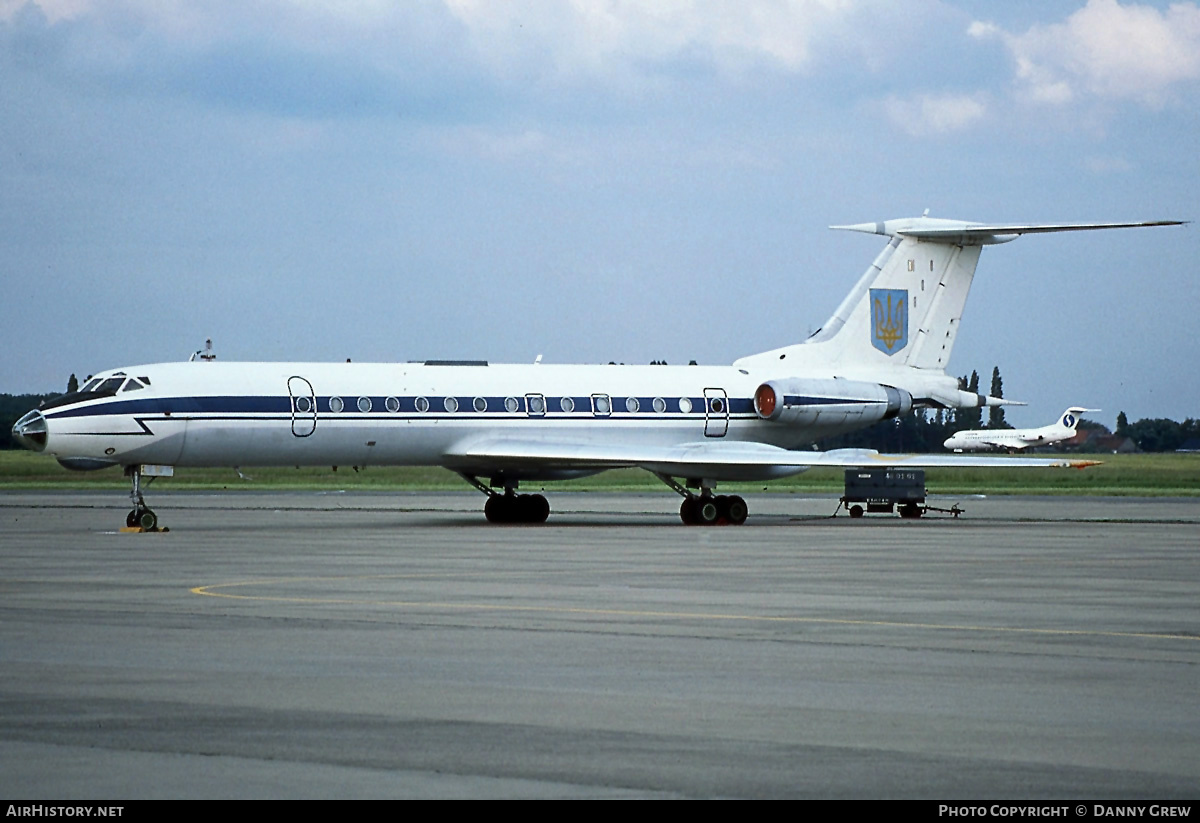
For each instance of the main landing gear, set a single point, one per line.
(707, 509)
(710, 510)
(511, 507)
(703, 509)
(141, 517)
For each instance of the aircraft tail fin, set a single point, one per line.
(1070, 418)
(907, 307)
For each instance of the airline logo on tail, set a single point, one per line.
(889, 319)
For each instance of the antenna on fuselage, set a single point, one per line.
(205, 355)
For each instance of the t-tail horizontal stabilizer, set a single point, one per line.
(961, 233)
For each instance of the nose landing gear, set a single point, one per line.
(142, 518)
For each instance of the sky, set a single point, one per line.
(593, 181)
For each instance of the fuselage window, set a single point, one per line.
(364, 404)
(537, 404)
(480, 404)
(632, 405)
(660, 405)
(716, 405)
(303, 405)
(566, 404)
(451, 404)
(422, 405)
(685, 404)
(336, 405)
(601, 404)
(511, 404)
(392, 405)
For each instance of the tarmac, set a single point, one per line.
(347, 645)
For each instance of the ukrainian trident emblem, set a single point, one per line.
(889, 319)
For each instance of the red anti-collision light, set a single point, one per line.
(764, 401)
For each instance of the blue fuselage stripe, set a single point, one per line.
(495, 407)
(407, 406)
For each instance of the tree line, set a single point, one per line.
(924, 431)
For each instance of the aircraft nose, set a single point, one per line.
(31, 430)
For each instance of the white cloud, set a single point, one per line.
(1107, 50)
(592, 35)
(927, 114)
(549, 40)
(53, 10)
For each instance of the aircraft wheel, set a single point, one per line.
(707, 511)
(533, 508)
(131, 519)
(687, 511)
(496, 509)
(722, 502)
(856, 511)
(147, 520)
(736, 510)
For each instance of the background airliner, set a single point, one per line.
(1016, 439)
(882, 352)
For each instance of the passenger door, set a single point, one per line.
(716, 413)
(304, 406)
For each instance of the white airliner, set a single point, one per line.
(1017, 439)
(883, 352)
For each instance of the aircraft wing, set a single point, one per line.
(997, 444)
(722, 460)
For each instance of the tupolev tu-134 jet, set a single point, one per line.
(881, 353)
(1016, 439)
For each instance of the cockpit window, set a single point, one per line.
(94, 389)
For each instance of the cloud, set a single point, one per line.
(53, 10)
(450, 61)
(929, 114)
(567, 38)
(1106, 50)
(604, 38)
(276, 56)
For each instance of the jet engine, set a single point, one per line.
(829, 403)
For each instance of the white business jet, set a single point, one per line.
(1017, 439)
(882, 353)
